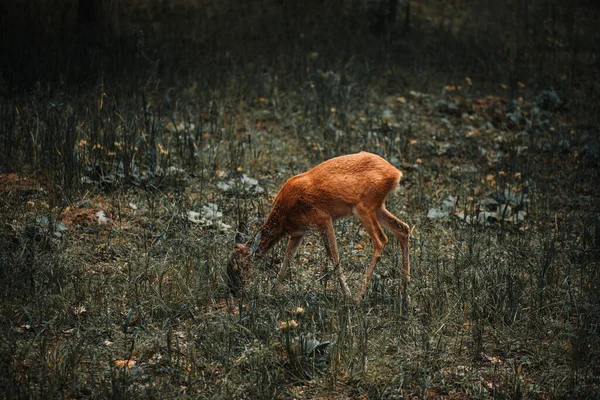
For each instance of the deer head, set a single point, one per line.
(239, 265)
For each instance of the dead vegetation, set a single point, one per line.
(122, 187)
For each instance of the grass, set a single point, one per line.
(132, 302)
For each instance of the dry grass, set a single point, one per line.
(111, 288)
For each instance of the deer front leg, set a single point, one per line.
(379, 239)
(328, 235)
(290, 252)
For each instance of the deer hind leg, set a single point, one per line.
(402, 231)
(379, 239)
(328, 235)
(290, 252)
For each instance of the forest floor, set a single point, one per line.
(113, 247)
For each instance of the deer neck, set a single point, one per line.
(270, 232)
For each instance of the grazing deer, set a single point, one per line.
(355, 184)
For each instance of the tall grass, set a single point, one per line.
(176, 113)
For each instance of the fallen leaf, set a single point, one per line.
(125, 363)
(436, 213)
(288, 324)
(101, 217)
(298, 310)
(78, 310)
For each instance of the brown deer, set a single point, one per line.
(354, 184)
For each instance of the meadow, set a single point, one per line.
(130, 157)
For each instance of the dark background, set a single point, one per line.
(137, 136)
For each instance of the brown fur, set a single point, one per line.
(355, 184)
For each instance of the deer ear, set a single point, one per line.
(241, 236)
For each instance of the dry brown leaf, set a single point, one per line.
(298, 310)
(125, 363)
(291, 324)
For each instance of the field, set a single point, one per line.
(129, 158)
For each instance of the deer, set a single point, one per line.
(354, 184)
